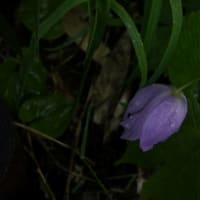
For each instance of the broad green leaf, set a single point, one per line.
(134, 155)
(34, 78)
(12, 91)
(7, 69)
(184, 66)
(179, 177)
(9, 82)
(48, 114)
(178, 181)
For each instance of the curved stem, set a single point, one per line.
(186, 85)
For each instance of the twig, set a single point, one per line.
(85, 161)
(39, 171)
(40, 134)
(107, 193)
(62, 167)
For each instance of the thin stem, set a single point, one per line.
(186, 85)
(107, 193)
(40, 134)
(85, 132)
(85, 161)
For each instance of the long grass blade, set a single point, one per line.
(177, 17)
(152, 22)
(98, 23)
(135, 38)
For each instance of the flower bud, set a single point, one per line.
(153, 115)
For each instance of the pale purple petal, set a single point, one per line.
(162, 121)
(133, 122)
(132, 127)
(144, 96)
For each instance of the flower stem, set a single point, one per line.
(178, 90)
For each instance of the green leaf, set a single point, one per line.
(135, 39)
(7, 68)
(184, 66)
(9, 82)
(151, 22)
(48, 114)
(97, 26)
(177, 15)
(179, 177)
(12, 91)
(178, 181)
(34, 78)
(134, 155)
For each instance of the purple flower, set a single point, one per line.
(154, 114)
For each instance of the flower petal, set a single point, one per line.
(144, 96)
(132, 127)
(162, 121)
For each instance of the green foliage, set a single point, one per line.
(32, 75)
(178, 181)
(9, 87)
(135, 39)
(98, 20)
(57, 15)
(177, 15)
(184, 66)
(24, 89)
(49, 114)
(134, 155)
(151, 20)
(179, 177)
(27, 14)
(8, 67)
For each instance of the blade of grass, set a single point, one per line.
(177, 18)
(46, 25)
(97, 26)
(79, 35)
(135, 38)
(152, 22)
(85, 132)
